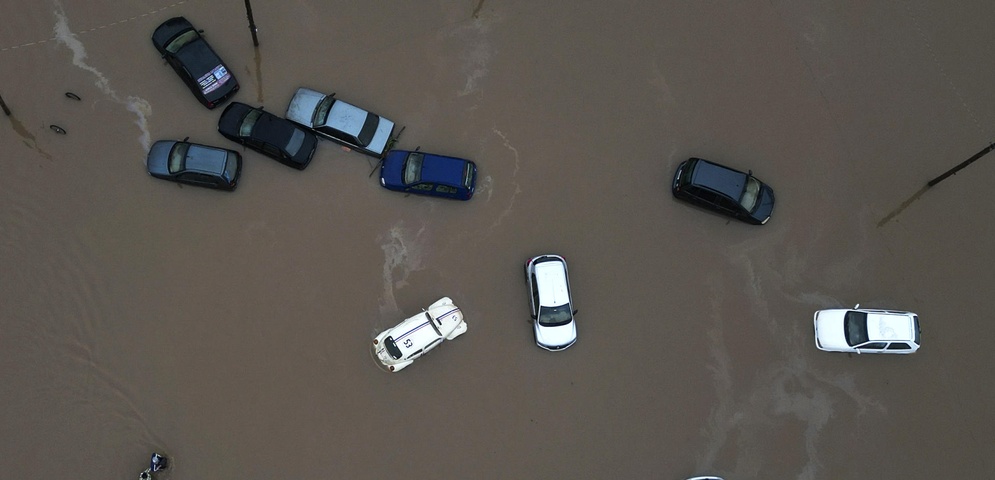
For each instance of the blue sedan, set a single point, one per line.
(428, 174)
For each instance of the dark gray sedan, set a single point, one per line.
(195, 164)
(268, 134)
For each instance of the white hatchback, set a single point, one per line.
(398, 347)
(552, 305)
(863, 330)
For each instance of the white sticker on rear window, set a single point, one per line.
(213, 79)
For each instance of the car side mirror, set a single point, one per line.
(533, 316)
(856, 306)
(575, 312)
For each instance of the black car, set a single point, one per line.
(268, 134)
(200, 68)
(724, 190)
(195, 164)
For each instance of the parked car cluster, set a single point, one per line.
(310, 115)
(292, 140)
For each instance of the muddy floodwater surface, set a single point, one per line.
(232, 331)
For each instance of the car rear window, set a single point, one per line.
(468, 175)
(231, 167)
(296, 140)
(369, 129)
(392, 349)
(855, 325)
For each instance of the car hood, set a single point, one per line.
(556, 338)
(301, 108)
(392, 168)
(765, 205)
(829, 329)
(231, 119)
(169, 29)
(158, 159)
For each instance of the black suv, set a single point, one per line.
(724, 190)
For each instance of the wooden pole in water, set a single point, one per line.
(3, 105)
(252, 24)
(963, 164)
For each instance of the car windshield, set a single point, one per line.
(412, 168)
(181, 40)
(855, 325)
(468, 176)
(750, 193)
(248, 122)
(296, 140)
(321, 113)
(392, 349)
(553, 316)
(369, 129)
(231, 166)
(178, 157)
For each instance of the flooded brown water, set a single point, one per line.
(231, 331)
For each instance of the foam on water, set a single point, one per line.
(133, 104)
(402, 250)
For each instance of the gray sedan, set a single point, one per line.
(195, 164)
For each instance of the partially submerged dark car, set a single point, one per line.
(268, 134)
(428, 174)
(194, 164)
(724, 190)
(194, 61)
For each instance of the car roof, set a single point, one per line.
(273, 129)
(346, 117)
(206, 159)
(884, 327)
(419, 329)
(551, 280)
(724, 180)
(443, 169)
(198, 57)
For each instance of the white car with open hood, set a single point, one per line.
(864, 330)
(398, 347)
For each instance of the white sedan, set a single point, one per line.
(864, 330)
(398, 347)
(552, 306)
